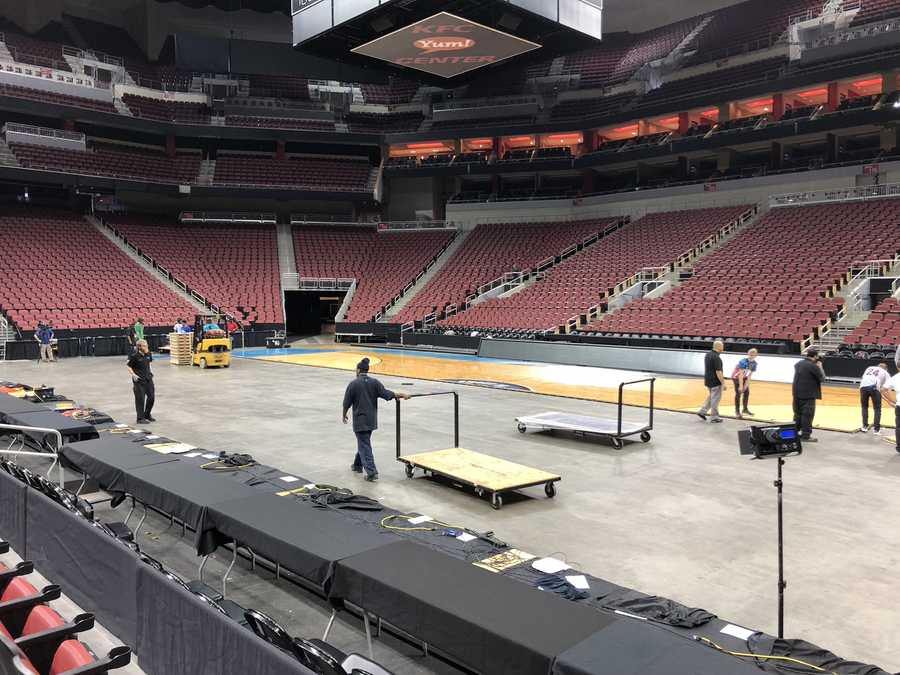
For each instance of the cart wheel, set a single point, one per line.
(645, 436)
(617, 443)
(409, 471)
(227, 365)
(522, 428)
(496, 501)
(203, 364)
(550, 490)
(479, 492)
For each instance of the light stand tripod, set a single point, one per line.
(782, 584)
(774, 442)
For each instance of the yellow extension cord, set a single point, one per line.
(762, 656)
(415, 528)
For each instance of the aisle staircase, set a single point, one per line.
(7, 158)
(207, 172)
(287, 261)
(436, 267)
(147, 264)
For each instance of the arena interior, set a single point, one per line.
(541, 233)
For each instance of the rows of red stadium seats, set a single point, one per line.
(112, 160)
(787, 263)
(383, 263)
(58, 267)
(491, 251)
(569, 289)
(313, 173)
(881, 327)
(234, 267)
(167, 111)
(42, 641)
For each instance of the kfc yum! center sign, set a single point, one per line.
(446, 45)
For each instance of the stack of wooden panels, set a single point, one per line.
(180, 348)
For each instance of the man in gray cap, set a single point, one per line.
(362, 395)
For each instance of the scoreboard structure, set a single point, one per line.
(440, 40)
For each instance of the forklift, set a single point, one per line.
(212, 342)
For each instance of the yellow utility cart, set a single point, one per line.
(212, 342)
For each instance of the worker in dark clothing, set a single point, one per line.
(362, 395)
(808, 377)
(142, 379)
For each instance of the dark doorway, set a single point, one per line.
(311, 312)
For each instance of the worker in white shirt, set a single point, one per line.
(874, 379)
(890, 395)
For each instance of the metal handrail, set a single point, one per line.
(455, 396)
(25, 453)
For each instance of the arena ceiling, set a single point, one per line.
(619, 15)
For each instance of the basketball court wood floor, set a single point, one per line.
(769, 401)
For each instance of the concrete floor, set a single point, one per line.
(684, 517)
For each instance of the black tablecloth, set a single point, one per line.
(306, 539)
(106, 459)
(174, 489)
(483, 620)
(633, 647)
(71, 429)
(10, 405)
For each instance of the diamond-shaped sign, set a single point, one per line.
(446, 45)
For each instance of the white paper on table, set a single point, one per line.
(578, 581)
(418, 520)
(549, 565)
(121, 426)
(181, 447)
(151, 438)
(289, 479)
(310, 486)
(192, 454)
(465, 536)
(210, 455)
(738, 632)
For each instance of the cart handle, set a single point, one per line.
(455, 396)
(622, 385)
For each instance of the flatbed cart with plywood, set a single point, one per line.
(486, 475)
(586, 425)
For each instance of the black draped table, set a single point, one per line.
(482, 620)
(634, 647)
(108, 458)
(304, 538)
(11, 405)
(72, 430)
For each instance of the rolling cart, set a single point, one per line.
(486, 475)
(586, 425)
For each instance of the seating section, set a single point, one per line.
(279, 86)
(41, 96)
(58, 267)
(376, 123)
(772, 281)
(592, 107)
(112, 160)
(383, 263)
(343, 174)
(876, 10)
(162, 77)
(233, 266)
(489, 252)
(278, 123)
(653, 45)
(34, 638)
(578, 283)
(595, 66)
(753, 24)
(396, 92)
(167, 111)
(37, 52)
(724, 78)
(881, 328)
